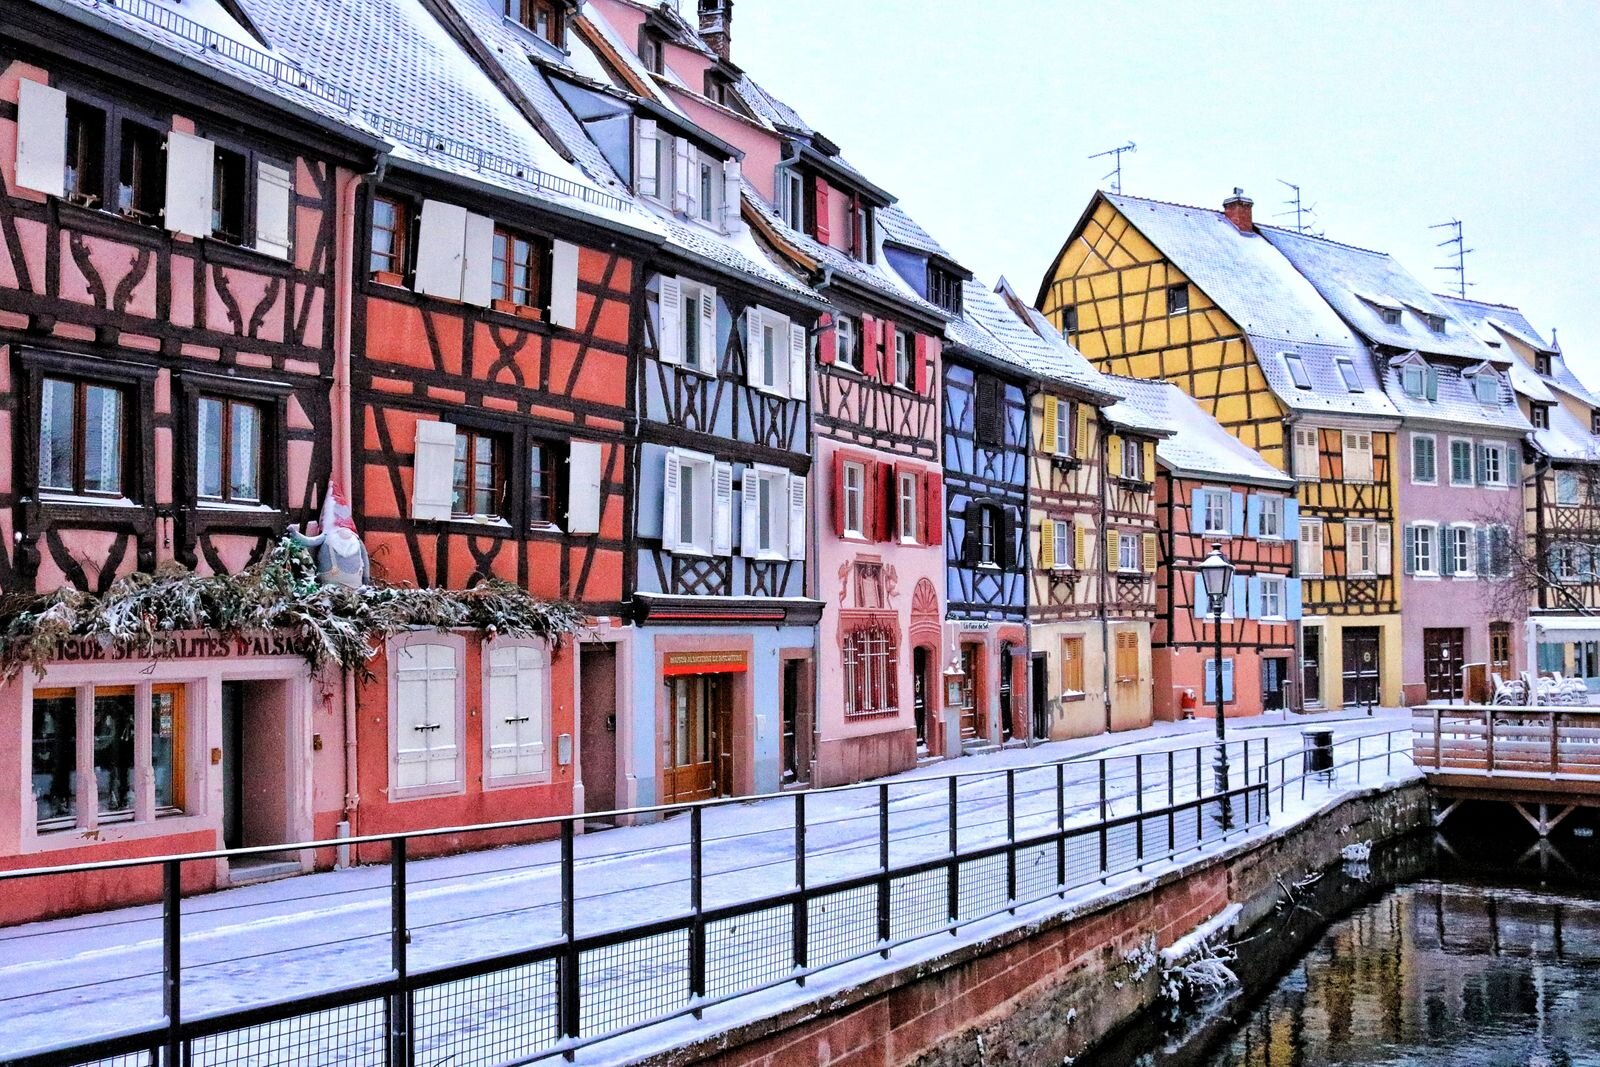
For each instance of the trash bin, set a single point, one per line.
(1317, 745)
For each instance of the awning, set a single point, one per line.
(1558, 628)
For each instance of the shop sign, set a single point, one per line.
(704, 663)
(175, 646)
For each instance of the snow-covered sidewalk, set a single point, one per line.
(74, 979)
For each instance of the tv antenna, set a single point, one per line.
(1115, 176)
(1303, 214)
(1459, 252)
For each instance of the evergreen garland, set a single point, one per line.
(281, 593)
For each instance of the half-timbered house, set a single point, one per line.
(1200, 298)
(1212, 491)
(170, 225)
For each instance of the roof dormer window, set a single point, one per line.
(1347, 371)
(1435, 322)
(1539, 415)
(651, 52)
(792, 198)
(543, 17)
(1541, 363)
(1297, 370)
(944, 290)
(1413, 379)
(1486, 387)
(1390, 316)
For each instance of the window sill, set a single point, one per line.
(1063, 462)
(492, 522)
(399, 795)
(691, 550)
(230, 506)
(1136, 485)
(516, 310)
(1073, 695)
(545, 528)
(389, 278)
(84, 500)
(519, 781)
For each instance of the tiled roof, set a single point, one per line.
(1567, 438)
(1128, 415)
(1490, 320)
(902, 229)
(1272, 302)
(988, 324)
(1197, 444)
(1456, 400)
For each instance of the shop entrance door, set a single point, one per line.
(1005, 692)
(1362, 665)
(255, 774)
(1443, 652)
(971, 722)
(796, 723)
(699, 762)
(1274, 676)
(919, 695)
(597, 725)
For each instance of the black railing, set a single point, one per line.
(1349, 761)
(817, 879)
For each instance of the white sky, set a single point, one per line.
(978, 115)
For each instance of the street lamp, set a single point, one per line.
(1216, 574)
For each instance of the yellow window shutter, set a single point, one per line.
(1083, 431)
(1047, 544)
(1113, 456)
(1150, 553)
(1149, 461)
(1047, 438)
(1080, 546)
(1113, 547)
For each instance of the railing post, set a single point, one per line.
(1011, 838)
(570, 1009)
(697, 927)
(1438, 739)
(1555, 742)
(1388, 754)
(883, 868)
(399, 939)
(1172, 799)
(1488, 738)
(953, 882)
(1105, 854)
(1061, 827)
(172, 957)
(1358, 758)
(802, 904)
(1138, 808)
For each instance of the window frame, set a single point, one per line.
(1348, 451)
(552, 470)
(264, 428)
(1471, 459)
(500, 472)
(1295, 364)
(1305, 544)
(909, 487)
(847, 342)
(1464, 545)
(904, 361)
(1413, 375)
(1271, 508)
(1273, 585)
(1432, 441)
(1364, 532)
(1069, 320)
(527, 14)
(537, 266)
(1493, 451)
(859, 491)
(1539, 416)
(1064, 435)
(1178, 299)
(1220, 501)
(458, 643)
(1564, 477)
(399, 259)
(1129, 548)
(1482, 382)
(792, 198)
(1133, 461)
(1299, 447)
(1425, 549)
(870, 655)
(1349, 375)
(78, 431)
(990, 523)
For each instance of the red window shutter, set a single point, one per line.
(923, 369)
(869, 346)
(827, 340)
(821, 208)
(886, 336)
(837, 494)
(933, 507)
(887, 503)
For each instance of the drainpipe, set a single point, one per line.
(1105, 574)
(814, 563)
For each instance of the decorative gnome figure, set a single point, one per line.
(341, 557)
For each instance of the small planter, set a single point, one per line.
(389, 277)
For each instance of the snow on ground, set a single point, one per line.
(73, 979)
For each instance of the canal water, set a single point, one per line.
(1478, 948)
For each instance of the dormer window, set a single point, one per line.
(1347, 371)
(1413, 379)
(792, 198)
(543, 17)
(1435, 322)
(651, 52)
(1486, 387)
(944, 290)
(1390, 316)
(1297, 370)
(1594, 421)
(1539, 415)
(1541, 363)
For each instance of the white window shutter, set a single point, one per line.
(750, 513)
(274, 209)
(732, 196)
(797, 361)
(477, 256)
(797, 516)
(669, 342)
(441, 249)
(41, 138)
(646, 161)
(516, 713)
(433, 466)
(583, 487)
(722, 509)
(710, 358)
(680, 174)
(564, 284)
(425, 688)
(752, 347)
(190, 163)
(1384, 549)
(671, 508)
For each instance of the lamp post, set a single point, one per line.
(1216, 574)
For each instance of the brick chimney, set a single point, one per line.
(1238, 209)
(716, 25)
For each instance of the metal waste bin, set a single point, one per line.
(1317, 746)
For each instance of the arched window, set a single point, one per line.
(871, 670)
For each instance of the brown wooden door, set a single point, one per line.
(1443, 652)
(919, 694)
(1500, 650)
(1311, 666)
(971, 722)
(1362, 665)
(700, 742)
(597, 721)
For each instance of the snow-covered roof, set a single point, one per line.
(989, 324)
(901, 229)
(1567, 438)
(1358, 283)
(1197, 445)
(1493, 319)
(1455, 398)
(1272, 302)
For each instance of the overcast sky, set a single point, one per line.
(979, 114)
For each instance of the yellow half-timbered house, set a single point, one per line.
(1198, 297)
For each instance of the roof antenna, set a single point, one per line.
(1304, 216)
(1116, 172)
(1459, 254)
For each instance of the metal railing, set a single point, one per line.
(856, 871)
(1505, 740)
(1346, 762)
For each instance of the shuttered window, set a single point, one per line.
(426, 710)
(517, 711)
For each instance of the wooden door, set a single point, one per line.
(1037, 693)
(971, 721)
(690, 767)
(919, 694)
(597, 723)
(1500, 650)
(1443, 652)
(1362, 665)
(1005, 692)
(720, 712)
(1311, 666)
(1274, 673)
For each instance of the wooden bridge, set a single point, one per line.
(1544, 761)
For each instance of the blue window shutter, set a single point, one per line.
(1253, 515)
(1197, 510)
(1227, 680)
(1291, 598)
(1432, 379)
(1447, 550)
(1253, 596)
(1238, 596)
(1202, 603)
(1236, 519)
(1408, 535)
(1291, 519)
(1210, 686)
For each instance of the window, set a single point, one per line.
(773, 524)
(1389, 315)
(517, 273)
(1357, 456)
(1424, 459)
(86, 154)
(1564, 562)
(1539, 415)
(1069, 320)
(540, 16)
(141, 179)
(988, 542)
(709, 187)
(1216, 512)
(1061, 545)
(1307, 454)
(908, 506)
(944, 290)
(849, 343)
(650, 52)
(688, 326)
(1072, 667)
(770, 338)
(479, 476)
(1492, 464)
(989, 419)
(1363, 549)
(1271, 517)
(544, 468)
(1541, 364)
(855, 489)
(1063, 428)
(1413, 380)
(118, 765)
(426, 702)
(1435, 322)
(516, 709)
(1272, 598)
(1567, 488)
(388, 252)
(1311, 548)
(1347, 371)
(1497, 553)
(903, 350)
(230, 196)
(1421, 550)
(1127, 657)
(1460, 462)
(1128, 561)
(228, 450)
(1133, 461)
(1460, 555)
(1486, 388)
(1177, 299)
(1297, 370)
(82, 437)
(697, 504)
(864, 247)
(871, 666)
(792, 198)
(1594, 421)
